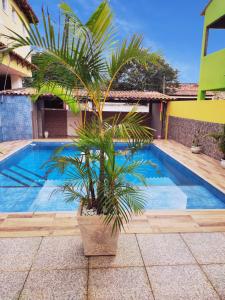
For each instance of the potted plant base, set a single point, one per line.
(98, 239)
(196, 149)
(223, 163)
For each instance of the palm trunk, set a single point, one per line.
(100, 191)
(92, 203)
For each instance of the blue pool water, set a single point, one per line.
(24, 186)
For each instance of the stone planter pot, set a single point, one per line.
(96, 236)
(196, 149)
(46, 134)
(223, 163)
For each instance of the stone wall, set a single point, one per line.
(183, 130)
(15, 118)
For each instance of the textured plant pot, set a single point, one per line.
(96, 236)
(46, 134)
(223, 163)
(196, 149)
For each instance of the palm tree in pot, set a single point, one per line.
(88, 57)
(219, 137)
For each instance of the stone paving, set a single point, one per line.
(147, 266)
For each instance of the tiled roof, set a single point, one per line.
(116, 95)
(18, 57)
(187, 89)
(27, 10)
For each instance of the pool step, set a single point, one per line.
(160, 181)
(165, 197)
(21, 178)
(30, 173)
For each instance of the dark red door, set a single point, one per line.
(55, 122)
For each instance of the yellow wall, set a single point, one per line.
(15, 68)
(6, 21)
(208, 111)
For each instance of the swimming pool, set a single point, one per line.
(24, 186)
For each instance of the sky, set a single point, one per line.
(171, 27)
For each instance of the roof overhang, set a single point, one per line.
(204, 11)
(14, 56)
(27, 10)
(115, 96)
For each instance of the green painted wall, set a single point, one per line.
(212, 72)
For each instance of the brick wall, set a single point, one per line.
(15, 118)
(183, 130)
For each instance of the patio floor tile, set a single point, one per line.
(216, 274)
(16, 254)
(164, 249)
(180, 282)
(56, 284)
(11, 284)
(208, 248)
(128, 255)
(60, 253)
(121, 283)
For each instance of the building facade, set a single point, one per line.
(15, 113)
(212, 72)
(50, 114)
(14, 66)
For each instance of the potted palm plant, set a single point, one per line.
(196, 147)
(86, 59)
(219, 137)
(106, 202)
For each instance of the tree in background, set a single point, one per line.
(160, 76)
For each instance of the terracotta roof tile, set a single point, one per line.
(187, 89)
(116, 95)
(18, 57)
(27, 10)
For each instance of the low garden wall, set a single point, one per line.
(183, 130)
(185, 118)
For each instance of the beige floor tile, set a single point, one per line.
(11, 284)
(180, 283)
(207, 248)
(118, 284)
(216, 275)
(17, 254)
(164, 249)
(56, 284)
(60, 253)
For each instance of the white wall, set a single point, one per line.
(16, 82)
(72, 123)
(121, 107)
(7, 21)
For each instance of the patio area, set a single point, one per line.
(147, 266)
(162, 255)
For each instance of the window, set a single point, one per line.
(215, 36)
(14, 15)
(4, 5)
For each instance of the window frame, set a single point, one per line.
(5, 5)
(14, 15)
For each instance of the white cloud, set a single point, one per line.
(126, 27)
(87, 5)
(188, 71)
